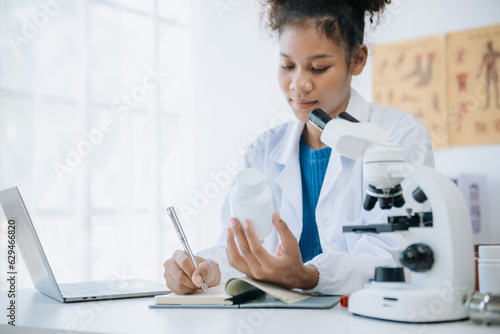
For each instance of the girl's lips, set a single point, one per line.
(304, 104)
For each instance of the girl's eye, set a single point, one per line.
(320, 70)
(287, 67)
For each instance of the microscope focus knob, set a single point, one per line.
(417, 257)
(419, 195)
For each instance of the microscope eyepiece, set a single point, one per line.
(346, 116)
(319, 118)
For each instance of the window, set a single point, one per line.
(93, 98)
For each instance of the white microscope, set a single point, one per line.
(439, 252)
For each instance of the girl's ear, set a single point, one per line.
(358, 59)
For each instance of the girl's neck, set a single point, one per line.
(312, 137)
(311, 134)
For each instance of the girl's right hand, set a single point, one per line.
(183, 278)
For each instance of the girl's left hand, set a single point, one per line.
(284, 268)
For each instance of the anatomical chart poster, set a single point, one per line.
(411, 76)
(473, 84)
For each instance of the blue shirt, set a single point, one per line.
(313, 164)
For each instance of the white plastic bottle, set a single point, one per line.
(489, 269)
(251, 199)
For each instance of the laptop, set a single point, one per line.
(41, 274)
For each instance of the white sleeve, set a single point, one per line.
(218, 255)
(342, 273)
(337, 274)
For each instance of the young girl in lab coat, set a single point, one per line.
(315, 190)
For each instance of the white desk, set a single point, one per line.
(134, 316)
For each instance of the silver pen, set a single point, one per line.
(183, 239)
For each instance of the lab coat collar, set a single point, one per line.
(286, 153)
(358, 107)
(288, 146)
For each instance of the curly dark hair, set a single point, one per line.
(343, 21)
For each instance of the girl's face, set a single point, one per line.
(313, 72)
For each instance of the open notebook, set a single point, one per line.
(244, 292)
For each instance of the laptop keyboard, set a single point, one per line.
(103, 288)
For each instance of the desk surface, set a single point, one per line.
(134, 316)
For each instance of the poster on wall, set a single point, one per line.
(473, 86)
(411, 76)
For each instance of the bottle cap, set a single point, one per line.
(249, 181)
(489, 252)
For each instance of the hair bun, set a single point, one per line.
(370, 6)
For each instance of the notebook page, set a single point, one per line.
(214, 295)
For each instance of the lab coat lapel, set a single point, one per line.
(358, 107)
(286, 153)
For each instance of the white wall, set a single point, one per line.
(237, 94)
(412, 19)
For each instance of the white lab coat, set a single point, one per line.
(348, 259)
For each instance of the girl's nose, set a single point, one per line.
(301, 83)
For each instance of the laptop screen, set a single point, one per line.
(27, 240)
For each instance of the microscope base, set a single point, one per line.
(416, 305)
